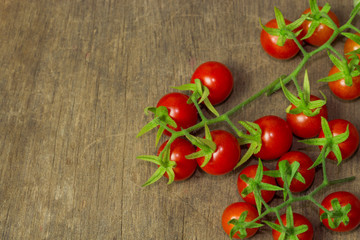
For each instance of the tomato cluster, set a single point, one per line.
(268, 138)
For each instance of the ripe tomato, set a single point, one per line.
(250, 172)
(304, 126)
(178, 150)
(185, 115)
(298, 221)
(340, 89)
(344, 198)
(349, 146)
(276, 137)
(268, 42)
(305, 163)
(217, 78)
(322, 32)
(350, 46)
(234, 211)
(226, 155)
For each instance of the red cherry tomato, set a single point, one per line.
(305, 163)
(344, 199)
(234, 211)
(178, 150)
(340, 89)
(250, 172)
(304, 126)
(226, 155)
(349, 146)
(322, 32)
(276, 137)
(298, 221)
(350, 46)
(268, 42)
(217, 78)
(185, 115)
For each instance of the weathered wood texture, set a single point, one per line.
(75, 77)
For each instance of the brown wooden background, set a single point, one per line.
(75, 77)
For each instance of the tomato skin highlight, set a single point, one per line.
(226, 155)
(185, 115)
(233, 211)
(250, 171)
(298, 221)
(350, 46)
(268, 42)
(184, 168)
(304, 126)
(276, 137)
(322, 33)
(344, 199)
(350, 145)
(305, 163)
(340, 89)
(217, 78)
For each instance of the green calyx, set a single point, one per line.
(253, 138)
(255, 185)
(161, 119)
(348, 70)
(164, 163)
(338, 215)
(284, 31)
(330, 143)
(240, 226)
(206, 145)
(302, 103)
(289, 231)
(200, 92)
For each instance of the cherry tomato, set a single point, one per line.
(226, 155)
(268, 42)
(185, 115)
(217, 78)
(234, 211)
(340, 89)
(298, 221)
(305, 163)
(322, 32)
(344, 199)
(250, 172)
(304, 126)
(349, 146)
(276, 137)
(178, 150)
(350, 46)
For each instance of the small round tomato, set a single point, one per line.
(178, 150)
(250, 172)
(304, 126)
(350, 46)
(234, 211)
(217, 78)
(185, 115)
(226, 155)
(341, 90)
(298, 221)
(268, 42)
(322, 32)
(305, 163)
(344, 199)
(276, 137)
(349, 146)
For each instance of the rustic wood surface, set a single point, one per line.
(75, 77)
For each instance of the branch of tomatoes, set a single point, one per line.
(219, 152)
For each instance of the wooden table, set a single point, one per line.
(75, 78)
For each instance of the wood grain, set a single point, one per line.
(75, 78)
